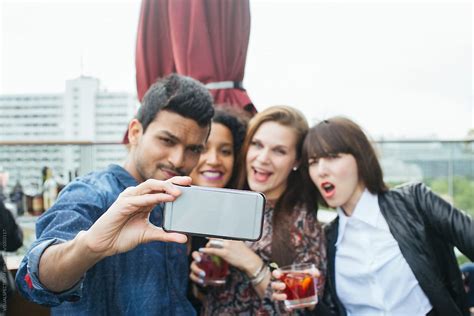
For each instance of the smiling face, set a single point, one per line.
(270, 159)
(217, 160)
(336, 177)
(170, 146)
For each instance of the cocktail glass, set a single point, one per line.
(301, 285)
(215, 267)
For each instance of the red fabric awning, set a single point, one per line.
(154, 53)
(203, 39)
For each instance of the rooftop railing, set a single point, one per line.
(446, 166)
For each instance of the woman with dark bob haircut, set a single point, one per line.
(390, 251)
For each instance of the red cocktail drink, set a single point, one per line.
(215, 267)
(300, 290)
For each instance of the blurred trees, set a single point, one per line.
(463, 191)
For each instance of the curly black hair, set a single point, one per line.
(234, 122)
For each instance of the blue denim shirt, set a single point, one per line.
(148, 280)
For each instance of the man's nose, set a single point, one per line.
(176, 158)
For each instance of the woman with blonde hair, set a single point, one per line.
(291, 232)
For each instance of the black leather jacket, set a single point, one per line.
(426, 228)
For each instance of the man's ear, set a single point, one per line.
(135, 131)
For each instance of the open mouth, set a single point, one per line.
(261, 175)
(328, 189)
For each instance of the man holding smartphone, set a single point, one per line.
(99, 249)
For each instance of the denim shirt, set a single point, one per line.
(148, 280)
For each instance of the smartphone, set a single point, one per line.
(215, 212)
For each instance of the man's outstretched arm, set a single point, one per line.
(121, 228)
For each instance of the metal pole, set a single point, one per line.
(451, 172)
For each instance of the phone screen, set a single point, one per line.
(225, 213)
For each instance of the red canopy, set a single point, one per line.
(203, 39)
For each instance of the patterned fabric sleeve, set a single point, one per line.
(309, 240)
(315, 248)
(310, 247)
(237, 296)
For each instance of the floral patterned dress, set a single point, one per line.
(237, 296)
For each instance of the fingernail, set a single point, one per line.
(202, 274)
(201, 281)
(198, 259)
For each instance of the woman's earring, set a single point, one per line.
(295, 168)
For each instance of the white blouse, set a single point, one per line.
(372, 276)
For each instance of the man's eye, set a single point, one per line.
(167, 141)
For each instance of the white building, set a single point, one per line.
(75, 132)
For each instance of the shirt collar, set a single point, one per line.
(367, 210)
(123, 176)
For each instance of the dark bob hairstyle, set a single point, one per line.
(340, 135)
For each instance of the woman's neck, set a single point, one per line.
(351, 204)
(271, 203)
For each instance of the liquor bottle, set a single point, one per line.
(37, 202)
(44, 174)
(50, 190)
(17, 196)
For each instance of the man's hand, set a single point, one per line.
(126, 225)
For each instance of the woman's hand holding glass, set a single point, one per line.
(235, 253)
(303, 286)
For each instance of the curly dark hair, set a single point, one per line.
(236, 121)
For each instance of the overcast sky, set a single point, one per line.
(402, 69)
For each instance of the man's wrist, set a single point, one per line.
(85, 246)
